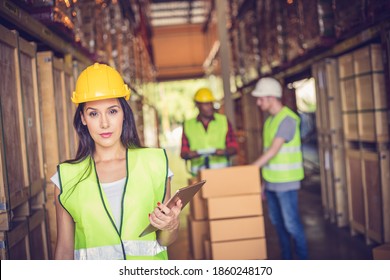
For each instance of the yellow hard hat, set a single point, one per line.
(97, 82)
(204, 95)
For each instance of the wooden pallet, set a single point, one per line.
(363, 95)
(14, 175)
(334, 192)
(375, 165)
(369, 195)
(330, 141)
(38, 235)
(51, 217)
(31, 109)
(16, 207)
(15, 244)
(357, 217)
(48, 114)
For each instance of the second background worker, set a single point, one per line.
(208, 140)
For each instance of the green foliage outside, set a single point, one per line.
(173, 100)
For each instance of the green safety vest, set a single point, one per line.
(287, 164)
(213, 138)
(96, 236)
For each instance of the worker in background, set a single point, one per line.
(281, 167)
(113, 189)
(208, 140)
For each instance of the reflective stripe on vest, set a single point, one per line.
(132, 248)
(95, 230)
(284, 149)
(214, 137)
(287, 164)
(283, 166)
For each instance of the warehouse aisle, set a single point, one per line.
(325, 240)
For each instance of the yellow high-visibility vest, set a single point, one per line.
(96, 236)
(213, 138)
(287, 164)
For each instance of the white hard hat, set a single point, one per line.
(267, 87)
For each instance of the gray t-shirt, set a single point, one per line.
(286, 131)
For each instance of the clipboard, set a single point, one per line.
(184, 194)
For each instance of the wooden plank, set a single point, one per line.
(27, 53)
(322, 112)
(371, 92)
(15, 207)
(333, 94)
(384, 158)
(4, 200)
(330, 141)
(252, 117)
(49, 117)
(38, 235)
(355, 191)
(350, 125)
(15, 243)
(51, 217)
(253, 145)
(348, 95)
(326, 169)
(69, 86)
(61, 108)
(339, 180)
(37, 196)
(373, 126)
(345, 65)
(15, 162)
(324, 163)
(372, 196)
(368, 59)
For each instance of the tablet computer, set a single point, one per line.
(184, 194)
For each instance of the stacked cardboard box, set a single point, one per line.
(226, 216)
(381, 252)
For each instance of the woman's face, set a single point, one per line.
(104, 119)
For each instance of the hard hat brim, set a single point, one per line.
(96, 98)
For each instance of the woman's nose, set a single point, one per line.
(104, 123)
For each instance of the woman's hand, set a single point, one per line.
(166, 219)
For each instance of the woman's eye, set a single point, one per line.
(113, 111)
(92, 114)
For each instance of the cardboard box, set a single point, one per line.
(207, 249)
(198, 231)
(237, 180)
(381, 252)
(198, 207)
(249, 249)
(234, 206)
(235, 229)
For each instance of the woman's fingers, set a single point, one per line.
(164, 218)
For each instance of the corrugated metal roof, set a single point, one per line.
(173, 12)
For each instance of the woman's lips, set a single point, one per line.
(106, 135)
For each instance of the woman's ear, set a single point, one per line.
(82, 118)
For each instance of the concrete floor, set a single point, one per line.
(325, 240)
